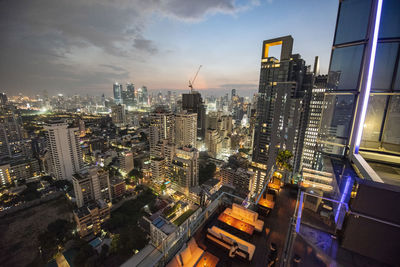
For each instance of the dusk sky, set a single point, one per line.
(82, 47)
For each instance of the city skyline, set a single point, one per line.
(100, 43)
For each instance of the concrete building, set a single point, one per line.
(64, 150)
(186, 129)
(213, 142)
(185, 168)
(24, 169)
(118, 114)
(90, 184)
(10, 130)
(158, 169)
(5, 177)
(193, 103)
(242, 179)
(118, 187)
(125, 160)
(89, 218)
(161, 128)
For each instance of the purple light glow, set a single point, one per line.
(369, 78)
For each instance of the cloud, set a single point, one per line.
(145, 45)
(114, 68)
(47, 44)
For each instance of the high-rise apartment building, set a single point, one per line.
(193, 103)
(213, 142)
(5, 177)
(117, 91)
(125, 160)
(161, 128)
(185, 129)
(118, 114)
(185, 167)
(242, 179)
(284, 92)
(310, 153)
(10, 131)
(91, 184)
(64, 150)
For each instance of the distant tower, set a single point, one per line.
(3, 99)
(233, 94)
(10, 129)
(117, 90)
(316, 66)
(103, 100)
(118, 115)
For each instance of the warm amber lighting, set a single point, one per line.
(266, 49)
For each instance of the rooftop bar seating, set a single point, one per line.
(226, 240)
(245, 215)
(188, 256)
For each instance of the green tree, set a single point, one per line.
(283, 160)
(115, 243)
(206, 172)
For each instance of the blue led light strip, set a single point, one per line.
(369, 78)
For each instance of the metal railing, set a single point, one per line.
(173, 243)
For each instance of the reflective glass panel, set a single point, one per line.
(373, 121)
(391, 133)
(396, 86)
(345, 67)
(353, 21)
(390, 19)
(384, 66)
(336, 121)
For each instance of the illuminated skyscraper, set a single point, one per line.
(117, 90)
(282, 108)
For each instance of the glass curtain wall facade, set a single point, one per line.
(364, 82)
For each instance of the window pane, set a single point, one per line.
(384, 65)
(335, 123)
(391, 136)
(396, 86)
(373, 121)
(345, 68)
(353, 21)
(390, 19)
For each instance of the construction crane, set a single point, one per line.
(194, 79)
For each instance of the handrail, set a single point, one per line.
(374, 219)
(266, 182)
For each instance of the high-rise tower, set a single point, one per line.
(64, 150)
(117, 90)
(282, 108)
